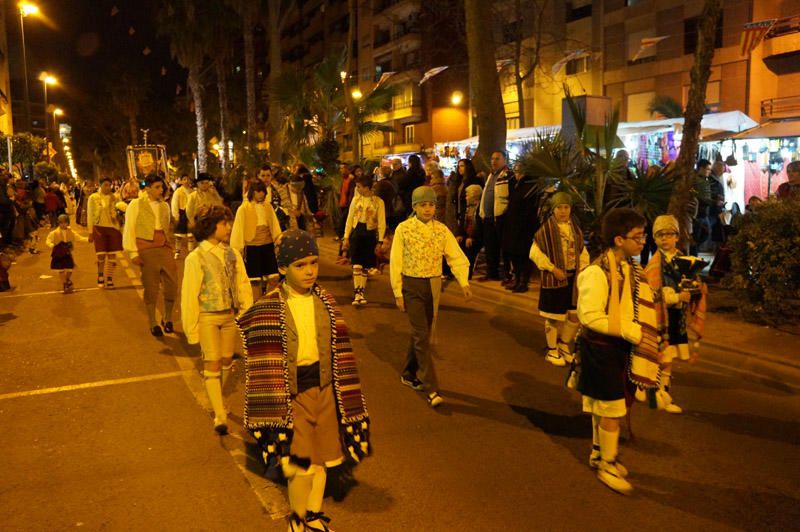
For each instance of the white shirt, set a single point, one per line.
(427, 257)
(593, 300)
(302, 308)
(193, 283)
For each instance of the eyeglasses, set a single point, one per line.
(642, 239)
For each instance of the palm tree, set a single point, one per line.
(484, 83)
(685, 190)
(224, 26)
(186, 25)
(249, 11)
(665, 106)
(278, 12)
(129, 86)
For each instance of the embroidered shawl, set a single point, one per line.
(696, 310)
(548, 239)
(643, 367)
(268, 411)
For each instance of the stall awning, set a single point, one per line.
(788, 127)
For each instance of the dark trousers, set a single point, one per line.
(418, 299)
(492, 239)
(522, 269)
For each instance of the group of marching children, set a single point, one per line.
(633, 321)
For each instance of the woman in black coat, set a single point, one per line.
(521, 223)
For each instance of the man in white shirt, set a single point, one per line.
(146, 237)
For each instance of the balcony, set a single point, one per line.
(782, 47)
(781, 107)
(404, 110)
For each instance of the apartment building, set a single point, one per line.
(765, 84)
(6, 122)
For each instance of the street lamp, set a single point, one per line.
(26, 9)
(457, 97)
(46, 80)
(356, 94)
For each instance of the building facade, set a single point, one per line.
(6, 118)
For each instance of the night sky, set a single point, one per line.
(78, 40)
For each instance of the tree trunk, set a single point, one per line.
(222, 91)
(199, 118)
(248, 23)
(684, 194)
(518, 63)
(275, 63)
(484, 83)
(347, 82)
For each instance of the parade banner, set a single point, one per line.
(432, 72)
(647, 42)
(754, 33)
(567, 58)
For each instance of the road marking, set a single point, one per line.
(48, 293)
(96, 384)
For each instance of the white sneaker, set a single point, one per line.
(372, 272)
(555, 358)
(664, 402)
(610, 475)
(565, 352)
(594, 463)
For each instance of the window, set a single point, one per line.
(408, 131)
(637, 105)
(577, 66)
(690, 29)
(512, 122)
(579, 9)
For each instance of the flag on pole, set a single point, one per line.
(753, 34)
(502, 63)
(567, 58)
(432, 72)
(647, 42)
(384, 77)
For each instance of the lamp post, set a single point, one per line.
(26, 9)
(46, 80)
(56, 113)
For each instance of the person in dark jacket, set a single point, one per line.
(521, 223)
(414, 177)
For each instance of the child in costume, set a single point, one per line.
(685, 315)
(559, 253)
(363, 231)
(104, 231)
(618, 341)
(205, 195)
(416, 278)
(146, 238)
(215, 289)
(254, 233)
(303, 401)
(180, 202)
(61, 240)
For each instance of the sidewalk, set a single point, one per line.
(729, 341)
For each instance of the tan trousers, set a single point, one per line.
(218, 335)
(158, 266)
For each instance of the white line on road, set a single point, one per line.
(96, 384)
(48, 293)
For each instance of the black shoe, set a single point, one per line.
(317, 522)
(221, 429)
(167, 325)
(109, 282)
(156, 331)
(412, 382)
(100, 280)
(520, 289)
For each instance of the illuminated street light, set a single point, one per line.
(356, 94)
(46, 80)
(26, 9)
(457, 97)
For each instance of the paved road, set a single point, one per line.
(104, 427)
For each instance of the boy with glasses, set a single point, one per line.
(618, 340)
(684, 315)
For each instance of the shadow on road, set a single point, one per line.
(759, 427)
(6, 317)
(743, 509)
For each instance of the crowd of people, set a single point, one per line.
(250, 269)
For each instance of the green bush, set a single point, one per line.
(765, 273)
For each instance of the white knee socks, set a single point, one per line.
(317, 492)
(214, 391)
(111, 264)
(300, 487)
(609, 444)
(551, 334)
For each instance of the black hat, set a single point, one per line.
(203, 176)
